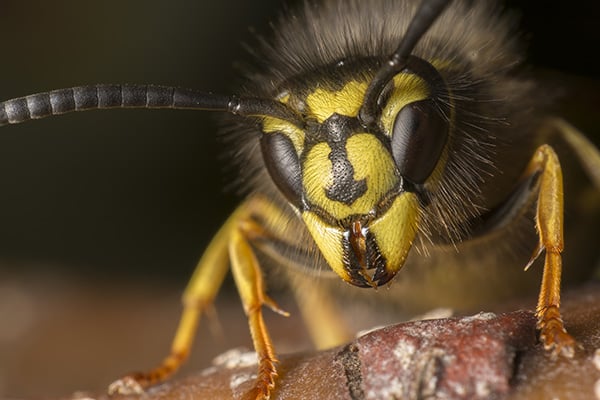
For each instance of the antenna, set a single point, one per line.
(425, 16)
(107, 96)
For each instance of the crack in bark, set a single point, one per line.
(350, 360)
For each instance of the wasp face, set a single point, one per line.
(356, 207)
(355, 186)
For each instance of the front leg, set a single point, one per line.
(197, 298)
(250, 284)
(549, 224)
(230, 246)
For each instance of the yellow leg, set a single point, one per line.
(198, 296)
(249, 281)
(230, 246)
(549, 223)
(322, 318)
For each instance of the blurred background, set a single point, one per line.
(103, 215)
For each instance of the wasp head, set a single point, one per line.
(355, 186)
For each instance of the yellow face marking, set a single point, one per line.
(393, 232)
(396, 229)
(370, 160)
(408, 88)
(329, 240)
(347, 101)
(323, 103)
(317, 176)
(295, 134)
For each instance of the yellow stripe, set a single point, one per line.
(323, 103)
(295, 134)
(329, 240)
(408, 88)
(396, 229)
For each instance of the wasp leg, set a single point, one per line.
(197, 298)
(549, 223)
(317, 306)
(249, 281)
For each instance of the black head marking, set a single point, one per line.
(344, 188)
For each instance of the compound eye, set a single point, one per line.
(283, 165)
(419, 135)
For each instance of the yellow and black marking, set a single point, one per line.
(344, 177)
(369, 149)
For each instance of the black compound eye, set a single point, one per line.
(283, 164)
(419, 135)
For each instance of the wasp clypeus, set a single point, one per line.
(376, 135)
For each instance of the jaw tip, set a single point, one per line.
(361, 279)
(383, 276)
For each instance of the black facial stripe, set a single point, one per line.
(345, 188)
(335, 131)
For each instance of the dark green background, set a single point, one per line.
(138, 192)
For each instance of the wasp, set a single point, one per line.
(375, 136)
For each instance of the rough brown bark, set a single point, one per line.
(485, 356)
